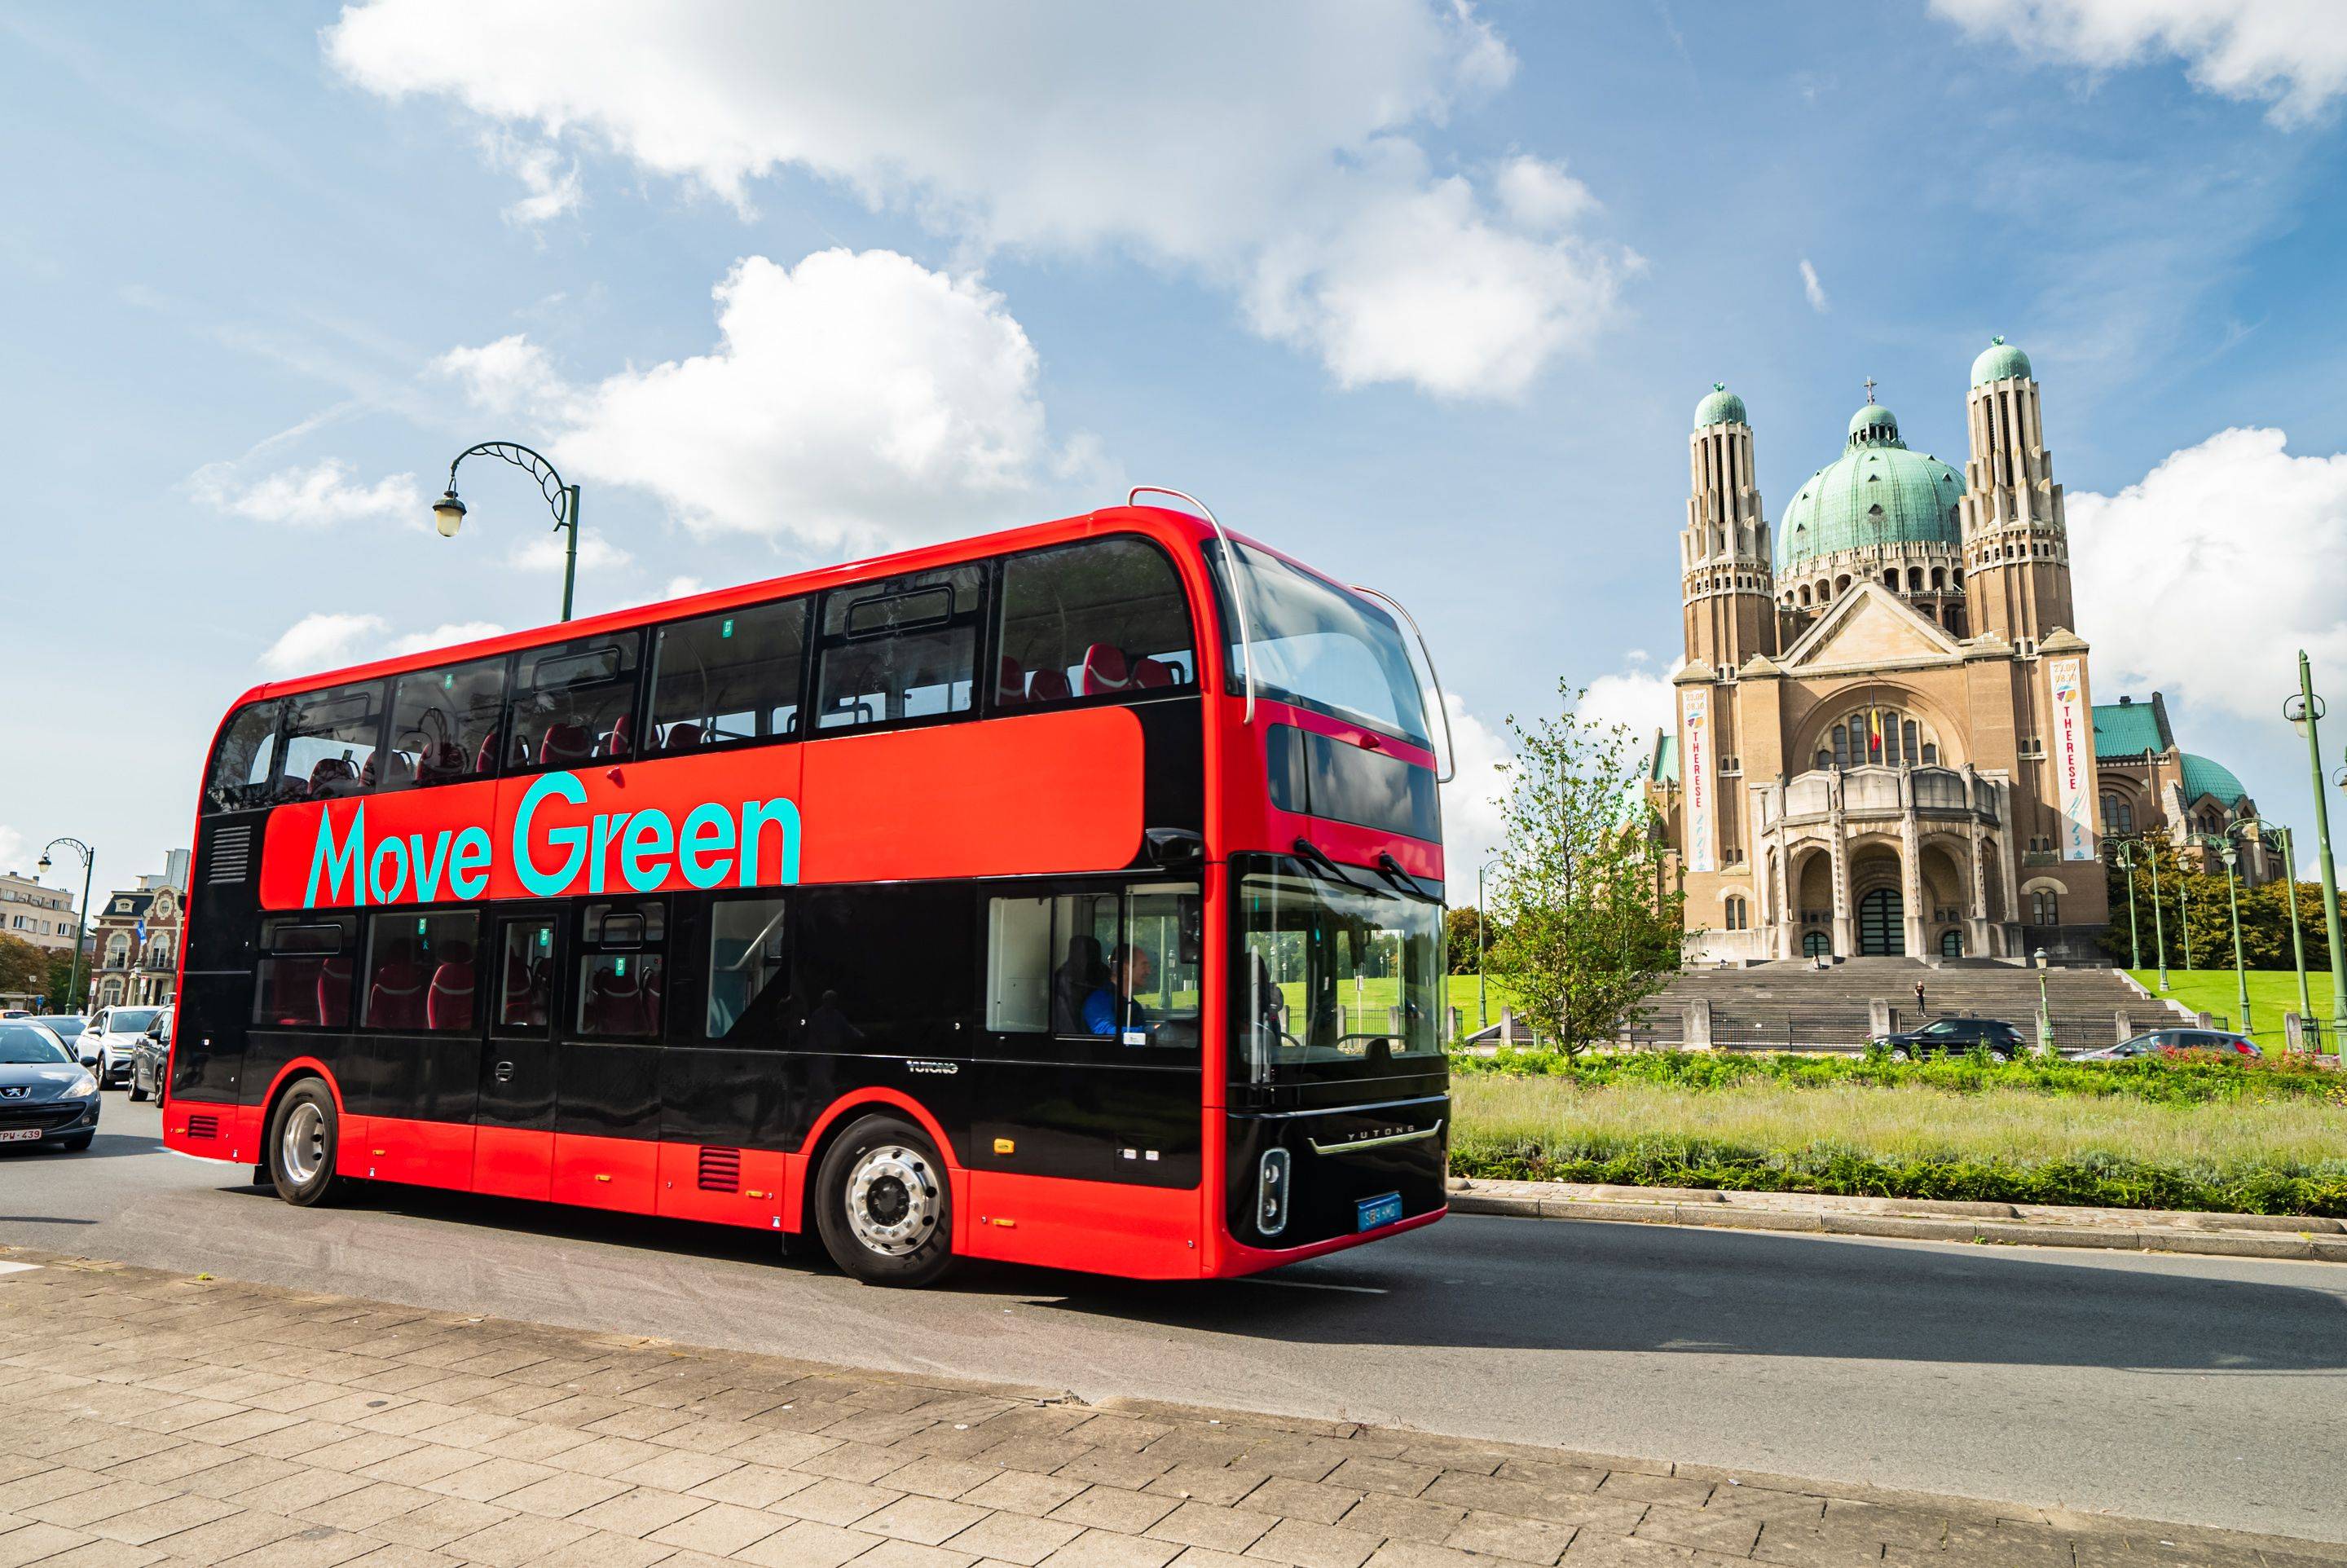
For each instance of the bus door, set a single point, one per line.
(513, 1142)
(607, 1027)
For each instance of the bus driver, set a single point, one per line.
(1129, 970)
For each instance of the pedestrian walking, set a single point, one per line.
(1919, 999)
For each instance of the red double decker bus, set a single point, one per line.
(1070, 896)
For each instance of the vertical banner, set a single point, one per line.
(1695, 763)
(2072, 733)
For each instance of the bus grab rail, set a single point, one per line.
(1450, 747)
(1246, 643)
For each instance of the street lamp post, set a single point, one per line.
(2184, 906)
(448, 512)
(2233, 897)
(1482, 1002)
(2305, 711)
(2045, 1018)
(2290, 888)
(2158, 926)
(2126, 858)
(81, 926)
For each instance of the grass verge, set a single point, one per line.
(1910, 1138)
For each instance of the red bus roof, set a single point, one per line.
(1159, 522)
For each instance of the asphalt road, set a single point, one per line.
(2202, 1390)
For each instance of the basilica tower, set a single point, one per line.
(2016, 549)
(1726, 585)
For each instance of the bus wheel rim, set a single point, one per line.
(892, 1199)
(303, 1148)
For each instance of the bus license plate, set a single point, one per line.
(1371, 1213)
(19, 1134)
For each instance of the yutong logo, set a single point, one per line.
(557, 844)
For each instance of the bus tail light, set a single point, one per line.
(1271, 1194)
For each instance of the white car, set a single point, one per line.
(114, 1031)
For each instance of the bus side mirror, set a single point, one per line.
(1174, 848)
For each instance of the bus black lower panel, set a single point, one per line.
(1340, 1164)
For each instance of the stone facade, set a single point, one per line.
(135, 943)
(1886, 739)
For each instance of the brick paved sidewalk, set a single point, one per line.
(151, 1417)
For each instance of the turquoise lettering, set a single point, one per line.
(548, 884)
(428, 867)
(337, 861)
(708, 832)
(468, 867)
(607, 829)
(652, 835)
(784, 816)
(387, 893)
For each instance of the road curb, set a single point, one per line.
(1993, 1224)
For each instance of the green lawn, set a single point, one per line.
(2272, 992)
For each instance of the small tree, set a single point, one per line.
(1464, 929)
(1587, 922)
(23, 969)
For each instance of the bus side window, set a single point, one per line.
(444, 725)
(1105, 618)
(302, 976)
(904, 649)
(420, 971)
(732, 676)
(573, 703)
(1119, 967)
(622, 970)
(330, 741)
(246, 758)
(749, 972)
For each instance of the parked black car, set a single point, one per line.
(1956, 1037)
(151, 1056)
(48, 1099)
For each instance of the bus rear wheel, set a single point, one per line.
(303, 1136)
(883, 1205)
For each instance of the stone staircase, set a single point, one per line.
(1792, 1004)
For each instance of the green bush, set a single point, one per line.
(2099, 1181)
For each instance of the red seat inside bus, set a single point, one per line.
(449, 1002)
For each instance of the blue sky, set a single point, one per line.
(1423, 294)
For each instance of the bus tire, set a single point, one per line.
(883, 1205)
(304, 1135)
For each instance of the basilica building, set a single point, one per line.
(1886, 739)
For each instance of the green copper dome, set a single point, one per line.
(2202, 776)
(2000, 361)
(1719, 406)
(1876, 492)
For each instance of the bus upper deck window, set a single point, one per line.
(574, 703)
(729, 677)
(444, 724)
(1104, 618)
(246, 758)
(904, 649)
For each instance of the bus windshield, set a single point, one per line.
(1329, 975)
(1320, 648)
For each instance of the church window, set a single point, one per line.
(1841, 747)
(1891, 579)
(1734, 914)
(1816, 945)
(1938, 577)
(2119, 816)
(1907, 741)
(1824, 758)
(1915, 578)
(1930, 755)
(1952, 944)
(1805, 596)
(2044, 908)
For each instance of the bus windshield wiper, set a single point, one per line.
(1316, 860)
(1392, 870)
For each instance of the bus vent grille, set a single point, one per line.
(721, 1170)
(203, 1126)
(232, 855)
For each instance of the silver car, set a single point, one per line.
(115, 1031)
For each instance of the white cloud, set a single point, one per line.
(14, 851)
(545, 552)
(856, 398)
(2204, 578)
(323, 639)
(1275, 150)
(328, 639)
(1635, 696)
(550, 185)
(2291, 53)
(317, 497)
(1813, 291)
(447, 636)
(1473, 826)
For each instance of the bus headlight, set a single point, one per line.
(1271, 1194)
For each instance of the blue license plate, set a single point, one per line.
(1368, 1213)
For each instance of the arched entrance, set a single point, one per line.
(1952, 944)
(1816, 945)
(1882, 923)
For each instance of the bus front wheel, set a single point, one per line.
(303, 1138)
(883, 1205)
